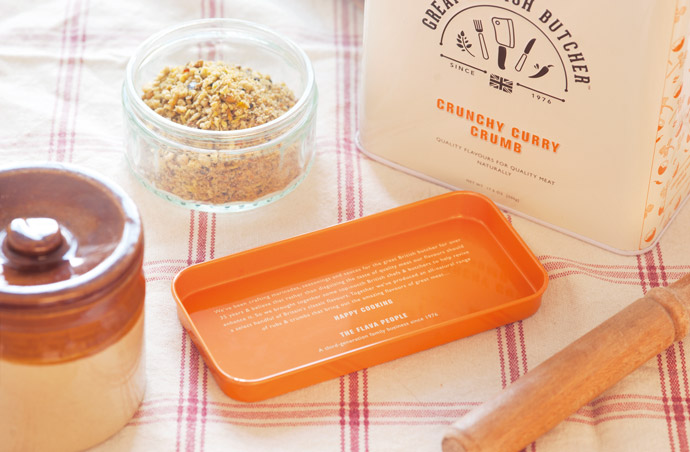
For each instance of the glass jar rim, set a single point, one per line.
(277, 125)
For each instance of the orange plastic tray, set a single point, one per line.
(307, 309)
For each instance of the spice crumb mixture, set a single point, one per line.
(212, 95)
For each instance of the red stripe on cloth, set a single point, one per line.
(511, 350)
(453, 413)
(73, 65)
(354, 411)
(202, 240)
(38, 139)
(650, 279)
(667, 411)
(39, 152)
(394, 423)
(341, 412)
(523, 346)
(192, 398)
(630, 282)
(676, 398)
(365, 407)
(612, 272)
(662, 267)
(58, 85)
(338, 119)
(347, 158)
(164, 261)
(684, 372)
(277, 406)
(168, 278)
(621, 417)
(92, 140)
(345, 24)
(347, 118)
(411, 419)
(641, 275)
(191, 402)
(268, 425)
(558, 267)
(190, 244)
(212, 251)
(69, 56)
(424, 404)
(180, 401)
(516, 352)
(163, 269)
(610, 408)
(631, 267)
(501, 357)
(651, 269)
(358, 159)
(273, 425)
(511, 345)
(349, 98)
(130, 37)
(675, 374)
(625, 396)
(201, 237)
(590, 412)
(557, 270)
(248, 413)
(212, 8)
(210, 48)
(622, 402)
(80, 66)
(412, 423)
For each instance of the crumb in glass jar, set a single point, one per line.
(213, 95)
(216, 96)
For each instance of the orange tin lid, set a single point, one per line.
(304, 310)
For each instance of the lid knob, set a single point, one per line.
(34, 237)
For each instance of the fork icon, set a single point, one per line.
(479, 28)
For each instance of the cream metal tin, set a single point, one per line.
(573, 114)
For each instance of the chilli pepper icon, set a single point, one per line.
(541, 72)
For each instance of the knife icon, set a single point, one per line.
(505, 37)
(523, 57)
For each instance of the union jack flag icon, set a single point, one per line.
(501, 83)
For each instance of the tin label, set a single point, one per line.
(570, 113)
(525, 51)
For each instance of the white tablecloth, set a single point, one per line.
(62, 64)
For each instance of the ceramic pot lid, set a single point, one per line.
(64, 232)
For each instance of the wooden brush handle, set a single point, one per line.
(559, 386)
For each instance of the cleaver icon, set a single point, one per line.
(505, 37)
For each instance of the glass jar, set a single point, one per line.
(220, 171)
(71, 308)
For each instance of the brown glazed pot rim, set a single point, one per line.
(106, 272)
